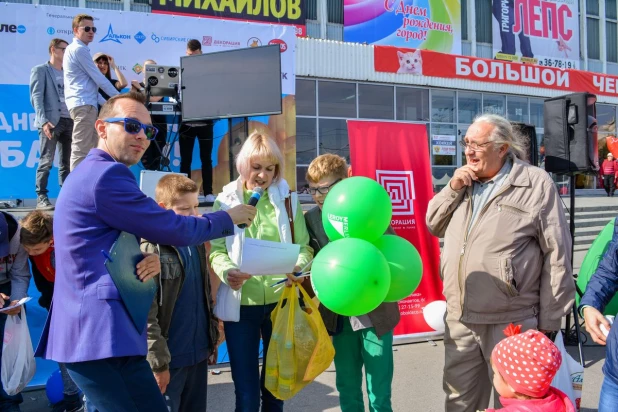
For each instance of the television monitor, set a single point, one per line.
(233, 83)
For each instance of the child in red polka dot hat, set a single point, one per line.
(524, 365)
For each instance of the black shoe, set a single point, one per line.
(43, 203)
(65, 405)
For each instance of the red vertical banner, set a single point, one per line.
(396, 155)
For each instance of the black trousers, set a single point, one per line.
(151, 160)
(608, 184)
(204, 136)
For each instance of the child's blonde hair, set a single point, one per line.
(172, 186)
(327, 165)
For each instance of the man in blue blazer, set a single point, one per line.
(88, 327)
(52, 119)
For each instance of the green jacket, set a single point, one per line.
(384, 318)
(170, 283)
(266, 226)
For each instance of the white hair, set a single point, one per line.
(504, 133)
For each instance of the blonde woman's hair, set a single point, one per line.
(258, 146)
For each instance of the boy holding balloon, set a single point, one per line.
(364, 340)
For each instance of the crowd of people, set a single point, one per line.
(506, 262)
(67, 93)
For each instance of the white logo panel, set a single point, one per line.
(400, 187)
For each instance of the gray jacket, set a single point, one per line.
(14, 267)
(384, 318)
(44, 95)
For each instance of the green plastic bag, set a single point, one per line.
(591, 263)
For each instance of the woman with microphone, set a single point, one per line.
(260, 165)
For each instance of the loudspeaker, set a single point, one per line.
(571, 134)
(529, 132)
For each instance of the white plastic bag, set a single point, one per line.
(227, 307)
(570, 377)
(18, 364)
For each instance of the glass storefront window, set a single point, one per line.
(306, 140)
(441, 176)
(540, 139)
(443, 144)
(536, 112)
(461, 134)
(469, 106)
(412, 104)
(301, 183)
(334, 137)
(305, 97)
(606, 122)
(376, 102)
(517, 109)
(443, 106)
(337, 99)
(494, 104)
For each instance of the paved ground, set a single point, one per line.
(417, 385)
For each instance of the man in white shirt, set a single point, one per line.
(82, 81)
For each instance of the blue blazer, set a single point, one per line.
(44, 95)
(601, 288)
(99, 199)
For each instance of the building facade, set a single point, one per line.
(337, 81)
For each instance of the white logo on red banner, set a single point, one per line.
(400, 187)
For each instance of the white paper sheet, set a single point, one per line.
(21, 302)
(262, 257)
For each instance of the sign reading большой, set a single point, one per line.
(268, 11)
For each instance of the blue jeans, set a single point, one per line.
(123, 384)
(8, 403)
(243, 345)
(609, 396)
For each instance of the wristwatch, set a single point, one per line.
(142, 90)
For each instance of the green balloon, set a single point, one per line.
(405, 264)
(591, 262)
(350, 277)
(357, 207)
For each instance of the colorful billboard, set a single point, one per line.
(544, 32)
(418, 24)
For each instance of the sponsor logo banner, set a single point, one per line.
(406, 174)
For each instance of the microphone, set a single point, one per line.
(253, 200)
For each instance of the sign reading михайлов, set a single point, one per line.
(271, 11)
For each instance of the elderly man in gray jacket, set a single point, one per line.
(52, 119)
(506, 256)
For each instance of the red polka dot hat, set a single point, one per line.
(527, 361)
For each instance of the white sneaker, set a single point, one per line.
(211, 198)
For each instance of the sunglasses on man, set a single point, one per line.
(133, 126)
(88, 28)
